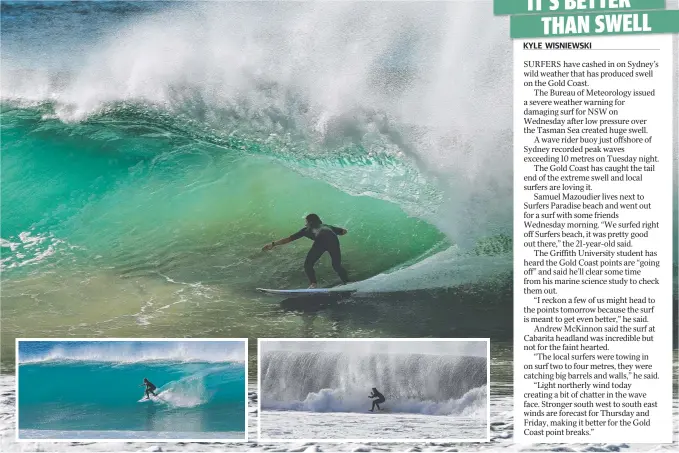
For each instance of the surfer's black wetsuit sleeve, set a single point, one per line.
(338, 231)
(301, 233)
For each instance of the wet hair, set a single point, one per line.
(374, 389)
(146, 380)
(314, 220)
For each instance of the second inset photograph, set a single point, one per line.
(366, 390)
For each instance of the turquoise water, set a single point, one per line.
(147, 200)
(150, 150)
(85, 388)
(85, 396)
(127, 226)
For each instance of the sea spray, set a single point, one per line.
(132, 352)
(312, 78)
(335, 381)
(149, 151)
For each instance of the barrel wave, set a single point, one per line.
(72, 398)
(146, 201)
(148, 157)
(339, 382)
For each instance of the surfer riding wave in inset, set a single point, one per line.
(380, 399)
(149, 388)
(325, 240)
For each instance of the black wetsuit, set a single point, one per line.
(325, 240)
(380, 399)
(150, 388)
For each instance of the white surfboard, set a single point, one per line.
(305, 292)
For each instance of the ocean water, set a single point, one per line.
(501, 429)
(284, 425)
(115, 116)
(324, 394)
(150, 149)
(95, 392)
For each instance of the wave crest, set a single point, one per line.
(340, 381)
(318, 78)
(473, 403)
(131, 352)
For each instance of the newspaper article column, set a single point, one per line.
(593, 239)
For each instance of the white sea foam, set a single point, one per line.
(419, 82)
(446, 269)
(472, 404)
(131, 352)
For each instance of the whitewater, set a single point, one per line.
(147, 157)
(143, 169)
(501, 432)
(318, 390)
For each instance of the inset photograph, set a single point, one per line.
(132, 389)
(368, 390)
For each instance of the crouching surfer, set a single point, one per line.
(149, 388)
(379, 399)
(325, 240)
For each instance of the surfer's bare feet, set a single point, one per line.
(312, 286)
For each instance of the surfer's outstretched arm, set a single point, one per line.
(278, 242)
(287, 240)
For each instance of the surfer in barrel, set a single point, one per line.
(379, 399)
(325, 240)
(149, 388)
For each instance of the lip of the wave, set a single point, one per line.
(126, 352)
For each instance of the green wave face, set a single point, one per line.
(77, 396)
(130, 228)
(150, 150)
(140, 200)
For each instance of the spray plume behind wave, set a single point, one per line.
(316, 78)
(150, 149)
(337, 376)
